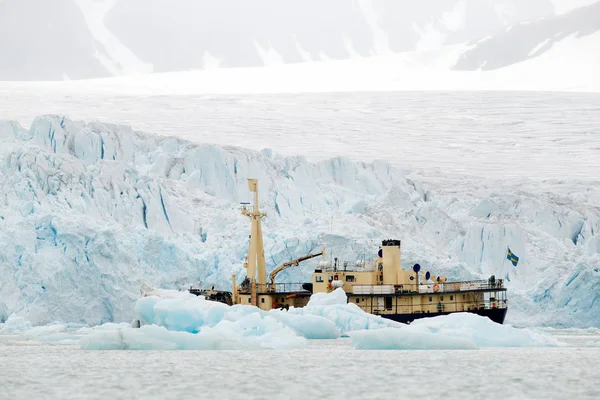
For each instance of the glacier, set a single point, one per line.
(90, 211)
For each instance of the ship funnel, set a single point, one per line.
(390, 258)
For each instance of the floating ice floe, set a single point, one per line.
(171, 320)
(327, 316)
(179, 320)
(454, 331)
(346, 316)
(18, 326)
(249, 332)
(14, 324)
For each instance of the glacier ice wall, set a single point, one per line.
(89, 211)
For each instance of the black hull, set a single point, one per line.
(495, 314)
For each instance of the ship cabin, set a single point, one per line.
(384, 288)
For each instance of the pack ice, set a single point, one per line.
(90, 211)
(173, 320)
(454, 331)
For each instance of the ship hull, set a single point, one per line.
(495, 314)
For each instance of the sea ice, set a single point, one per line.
(454, 331)
(250, 332)
(338, 296)
(327, 315)
(346, 316)
(55, 332)
(172, 320)
(15, 324)
(192, 322)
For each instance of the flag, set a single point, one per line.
(512, 258)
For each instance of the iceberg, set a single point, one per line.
(248, 333)
(90, 211)
(326, 317)
(20, 327)
(184, 314)
(454, 331)
(171, 320)
(15, 324)
(345, 316)
(338, 296)
(181, 321)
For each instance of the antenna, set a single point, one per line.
(331, 227)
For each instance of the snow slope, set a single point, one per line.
(90, 211)
(569, 66)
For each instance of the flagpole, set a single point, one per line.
(502, 268)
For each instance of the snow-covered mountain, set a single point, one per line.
(90, 211)
(532, 39)
(41, 40)
(239, 34)
(45, 40)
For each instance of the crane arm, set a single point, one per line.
(297, 261)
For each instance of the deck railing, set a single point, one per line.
(454, 305)
(434, 288)
(276, 288)
(445, 287)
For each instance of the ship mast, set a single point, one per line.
(255, 263)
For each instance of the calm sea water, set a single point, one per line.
(329, 369)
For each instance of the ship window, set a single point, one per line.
(381, 277)
(441, 298)
(451, 298)
(318, 278)
(248, 299)
(357, 300)
(430, 298)
(350, 278)
(388, 303)
(262, 300)
(330, 278)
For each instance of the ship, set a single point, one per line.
(380, 287)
